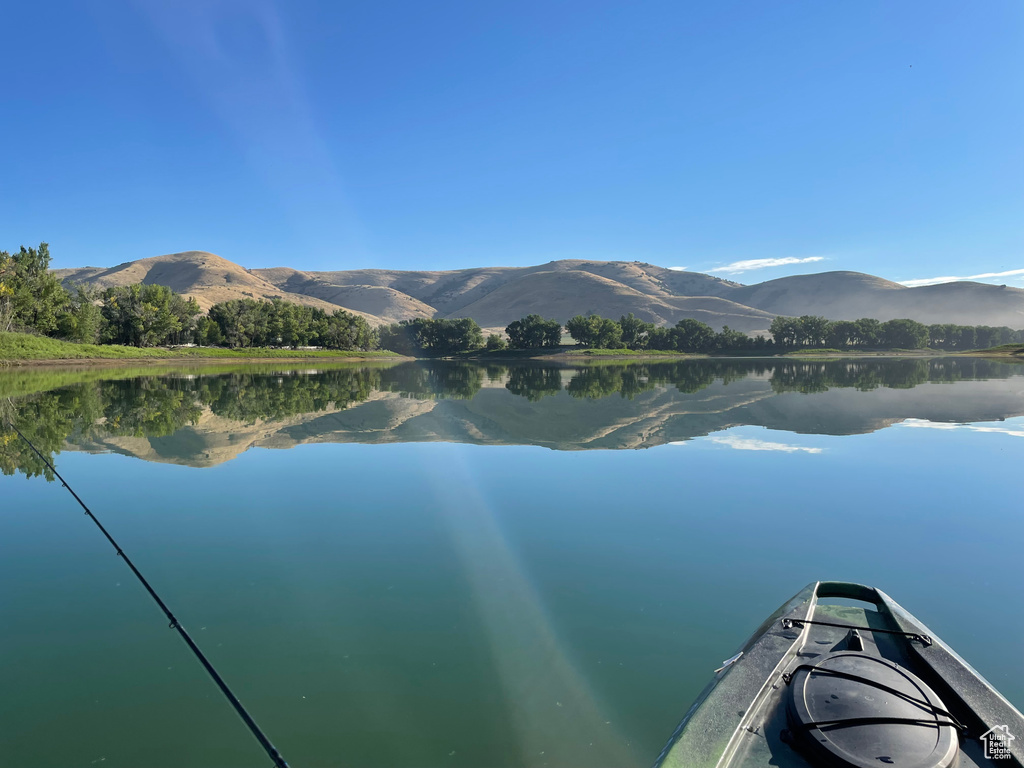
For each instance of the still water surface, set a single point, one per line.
(420, 580)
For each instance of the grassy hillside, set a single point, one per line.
(495, 296)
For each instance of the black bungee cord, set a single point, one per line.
(271, 750)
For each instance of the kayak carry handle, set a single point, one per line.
(848, 590)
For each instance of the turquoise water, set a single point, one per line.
(453, 565)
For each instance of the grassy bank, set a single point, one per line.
(20, 349)
(1014, 351)
(23, 348)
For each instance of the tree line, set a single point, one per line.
(688, 335)
(242, 323)
(786, 334)
(32, 298)
(867, 333)
(425, 336)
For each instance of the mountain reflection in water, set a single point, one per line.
(204, 419)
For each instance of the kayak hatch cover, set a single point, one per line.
(853, 683)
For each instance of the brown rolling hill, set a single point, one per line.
(207, 278)
(362, 295)
(495, 296)
(562, 294)
(450, 291)
(850, 295)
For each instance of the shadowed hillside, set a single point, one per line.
(850, 295)
(495, 296)
(566, 293)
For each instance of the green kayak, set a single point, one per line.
(841, 676)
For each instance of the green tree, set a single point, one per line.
(532, 332)
(432, 337)
(985, 336)
(595, 331)
(495, 342)
(635, 332)
(661, 338)
(403, 338)
(785, 331)
(147, 315)
(609, 334)
(246, 323)
(31, 297)
(461, 335)
(939, 335)
(962, 337)
(730, 340)
(581, 330)
(869, 332)
(207, 333)
(904, 334)
(81, 319)
(342, 330)
(693, 336)
(813, 329)
(840, 334)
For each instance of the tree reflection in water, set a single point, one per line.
(153, 406)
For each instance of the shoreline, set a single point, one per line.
(555, 357)
(29, 351)
(567, 356)
(124, 362)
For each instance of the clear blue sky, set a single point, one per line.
(885, 137)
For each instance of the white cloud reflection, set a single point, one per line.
(925, 424)
(753, 444)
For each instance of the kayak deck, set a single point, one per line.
(765, 706)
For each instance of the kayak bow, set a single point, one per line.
(859, 683)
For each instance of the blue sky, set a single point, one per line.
(874, 136)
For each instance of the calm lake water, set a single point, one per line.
(463, 565)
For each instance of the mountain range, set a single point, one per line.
(495, 296)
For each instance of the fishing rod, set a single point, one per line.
(271, 751)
